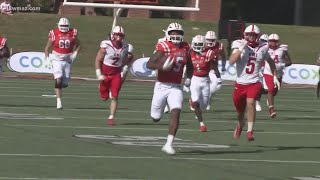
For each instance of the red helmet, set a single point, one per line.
(251, 34)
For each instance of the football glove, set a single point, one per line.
(73, 56)
(219, 84)
(187, 82)
(99, 75)
(47, 63)
(276, 82)
(243, 44)
(124, 71)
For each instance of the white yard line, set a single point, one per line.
(160, 158)
(151, 129)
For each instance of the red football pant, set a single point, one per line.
(111, 83)
(270, 84)
(242, 92)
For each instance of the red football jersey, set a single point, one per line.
(174, 75)
(2, 42)
(217, 48)
(63, 42)
(201, 62)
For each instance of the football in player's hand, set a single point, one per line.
(166, 62)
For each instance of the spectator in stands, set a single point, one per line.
(6, 8)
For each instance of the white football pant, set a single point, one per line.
(200, 90)
(165, 93)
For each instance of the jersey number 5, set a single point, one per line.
(64, 44)
(250, 65)
(178, 64)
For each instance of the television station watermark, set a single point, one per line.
(25, 8)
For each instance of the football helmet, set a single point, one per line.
(251, 34)
(63, 25)
(273, 41)
(175, 38)
(264, 38)
(117, 34)
(198, 43)
(210, 38)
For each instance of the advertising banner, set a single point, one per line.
(32, 62)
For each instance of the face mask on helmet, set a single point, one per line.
(63, 25)
(117, 34)
(251, 34)
(198, 43)
(210, 38)
(174, 33)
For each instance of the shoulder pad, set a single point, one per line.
(105, 43)
(284, 47)
(236, 44)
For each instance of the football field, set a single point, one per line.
(40, 142)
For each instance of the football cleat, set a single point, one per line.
(59, 105)
(272, 112)
(190, 104)
(166, 109)
(250, 136)
(111, 122)
(258, 106)
(203, 128)
(168, 149)
(208, 107)
(237, 132)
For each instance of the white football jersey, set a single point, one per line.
(278, 56)
(249, 65)
(114, 57)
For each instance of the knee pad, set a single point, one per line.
(65, 82)
(58, 83)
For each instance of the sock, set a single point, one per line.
(270, 106)
(111, 117)
(169, 140)
(201, 123)
(250, 126)
(59, 100)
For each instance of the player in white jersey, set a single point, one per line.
(248, 56)
(110, 60)
(262, 40)
(279, 53)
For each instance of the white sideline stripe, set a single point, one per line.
(151, 129)
(48, 95)
(161, 158)
(38, 178)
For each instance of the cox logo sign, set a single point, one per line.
(301, 74)
(29, 62)
(35, 62)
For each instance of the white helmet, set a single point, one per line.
(211, 38)
(273, 41)
(264, 38)
(274, 37)
(249, 31)
(63, 25)
(130, 48)
(198, 43)
(117, 34)
(174, 38)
